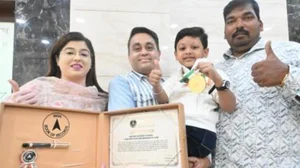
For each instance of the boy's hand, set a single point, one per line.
(208, 69)
(155, 75)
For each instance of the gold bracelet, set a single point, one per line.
(282, 83)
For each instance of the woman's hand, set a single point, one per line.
(23, 96)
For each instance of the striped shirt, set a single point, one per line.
(129, 91)
(141, 89)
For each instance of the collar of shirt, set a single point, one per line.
(260, 45)
(184, 70)
(142, 77)
(139, 75)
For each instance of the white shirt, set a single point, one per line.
(199, 108)
(264, 131)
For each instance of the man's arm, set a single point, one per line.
(120, 95)
(160, 94)
(292, 83)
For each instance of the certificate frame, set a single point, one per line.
(89, 134)
(182, 155)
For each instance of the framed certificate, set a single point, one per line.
(151, 137)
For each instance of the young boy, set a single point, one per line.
(200, 105)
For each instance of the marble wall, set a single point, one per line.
(108, 24)
(38, 23)
(293, 10)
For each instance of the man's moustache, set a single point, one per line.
(238, 32)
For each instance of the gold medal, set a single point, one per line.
(197, 83)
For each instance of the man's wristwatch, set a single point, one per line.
(225, 85)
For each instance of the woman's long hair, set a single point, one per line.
(54, 70)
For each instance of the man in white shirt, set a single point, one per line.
(265, 129)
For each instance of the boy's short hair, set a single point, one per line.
(193, 32)
(137, 30)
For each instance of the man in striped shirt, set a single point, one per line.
(133, 89)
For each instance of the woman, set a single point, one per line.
(71, 81)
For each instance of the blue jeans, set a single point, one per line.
(200, 142)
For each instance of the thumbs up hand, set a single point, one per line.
(269, 52)
(23, 96)
(155, 79)
(14, 85)
(271, 71)
(155, 75)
